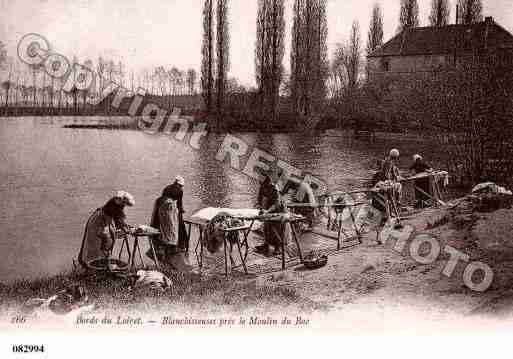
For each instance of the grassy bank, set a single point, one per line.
(189, 293)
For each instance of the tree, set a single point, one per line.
(174, 80)
(309, 60)
(35, 69)
(261, 49)
(6, 85)
(3, 55)
(101, 68)
(121, 74)
(338, 74)
(375, 35)
(191, 81)
(440, 13)
(161, 76)
(353, 56)
(86, 92)
(269, 52)
(223, 51)
(207, 55)
(74, 90)
(409, 15)
(470, 11)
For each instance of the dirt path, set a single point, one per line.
(374, 281)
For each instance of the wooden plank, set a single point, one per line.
(347, 244)
(330, 205)
(195, 221)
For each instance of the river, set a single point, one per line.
(52, 178)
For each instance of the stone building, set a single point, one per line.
(424, 51)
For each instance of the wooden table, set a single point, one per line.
(339, 209)
(283, 218)
(137, 249)
(435, 193)
(201, 225)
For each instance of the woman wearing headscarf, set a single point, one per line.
(165, 219)
(273, 203)
(101, 228)
(421, 184)
(301, 193)
(168, 218)
(175, 191)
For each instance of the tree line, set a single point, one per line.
(314, 80)
(31, 88)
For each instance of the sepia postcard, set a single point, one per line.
(255, 177)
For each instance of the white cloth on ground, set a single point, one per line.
(153, 279)
(490, 187)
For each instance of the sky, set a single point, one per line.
(149, 33)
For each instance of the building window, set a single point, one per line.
(385, 65)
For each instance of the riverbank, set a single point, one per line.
(372, 276)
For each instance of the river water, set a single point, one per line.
(52, 178)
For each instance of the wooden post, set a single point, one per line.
(225, 256)
(240, 254)
(155, 259)
(282, 252)
(294, 233)
(339, 221)
(132, 264)
(201, 246)
(140, 255)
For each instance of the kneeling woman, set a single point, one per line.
(101, 228)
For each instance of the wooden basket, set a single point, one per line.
(314, 261)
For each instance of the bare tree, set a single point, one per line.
(191, 81)
(182, 83)
(375, 35)
(207, 53)
(3, 55)
(174, 81)
(470, 11)
(409, 15)
(6, 63)
(132, 82)
(440, 13)
(223, 52)
(121, 74)
(353, 56)
(161, 75)
(338, 74)
(86, 92)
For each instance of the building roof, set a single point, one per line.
(447, 39)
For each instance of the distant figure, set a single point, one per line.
(387, 178)
(422, 187)
(102, 225)
(389, 167)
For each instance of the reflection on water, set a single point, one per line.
(53, 178)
